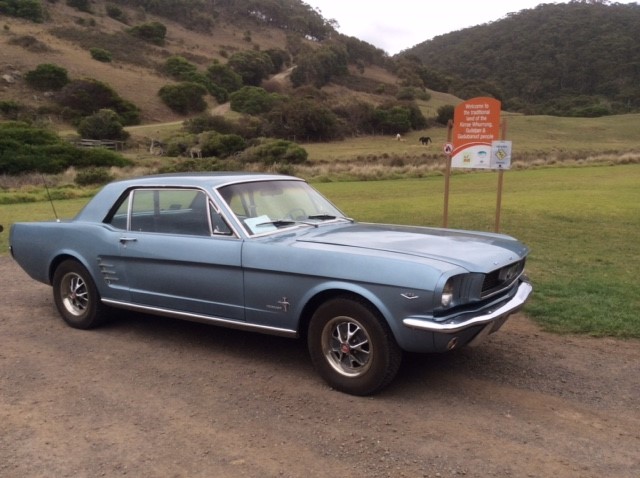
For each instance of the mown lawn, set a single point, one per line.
(582, 225)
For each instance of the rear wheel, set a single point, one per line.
(352, 347)
(76, 296)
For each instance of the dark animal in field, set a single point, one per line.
(425, 139)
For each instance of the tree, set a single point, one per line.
(184, 97)
(393, 120)
(252, 100)
(445, 113)
(105, 124)
(302, 118)
(224, 77)
(252, 66)
(320, 66)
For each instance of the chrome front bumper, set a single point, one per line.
(515, 304)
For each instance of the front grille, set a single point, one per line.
(502, 278)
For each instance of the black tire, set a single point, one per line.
(76, 296)
(351, 346)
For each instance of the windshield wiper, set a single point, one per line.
(322, 217)
(277, 223)
(328, 217)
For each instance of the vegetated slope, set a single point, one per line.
(574, 59)
(199, 31)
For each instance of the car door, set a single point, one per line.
(177, 259)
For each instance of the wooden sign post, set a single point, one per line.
(476, 140)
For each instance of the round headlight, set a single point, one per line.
(447, 295)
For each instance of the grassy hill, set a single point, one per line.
(136, 73)
(136, 70)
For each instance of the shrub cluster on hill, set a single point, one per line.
(27, 9)
(24, 149)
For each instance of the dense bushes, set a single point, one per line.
(181, 69)
(252, 66)
(185, 97)
(100, 54)
(47, 77)
(252, 100)
(28, 9)
(105, 124)
(221, 145)
(153, 32)
(84, 97)
(273, 151)
(445, 113)
(27, 149)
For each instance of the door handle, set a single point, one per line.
(124, 240)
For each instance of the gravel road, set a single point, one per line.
(153, 397)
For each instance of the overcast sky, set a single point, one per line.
(396, 25)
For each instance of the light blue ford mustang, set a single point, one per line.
(268, 253)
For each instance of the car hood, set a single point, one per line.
(475, 251)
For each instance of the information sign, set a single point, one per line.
(476, 124)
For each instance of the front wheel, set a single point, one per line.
(76, 296)
(352, 347)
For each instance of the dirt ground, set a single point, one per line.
(153, 397)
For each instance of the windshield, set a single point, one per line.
(265, 206)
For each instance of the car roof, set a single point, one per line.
(201, 179)
(103, 201)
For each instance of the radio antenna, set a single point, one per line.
(49, 196)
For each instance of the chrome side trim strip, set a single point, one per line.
(205, 319)
(515, 304)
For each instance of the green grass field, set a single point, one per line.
(582, 225)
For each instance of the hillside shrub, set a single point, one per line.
(320, 66)
(177, 67)
(252, 66)
(207, 122)
(84, 97)
(93, 176)
(153, 32)
(252, 100)
(357, 116)
(197, 165)
(184, 97)
(30, 43)
(47, 76)
(27, 149)
(445, 113)
(105, 124)
(81, 5)
(9, 109)
(275, 151)
(222, 145)
(100, 54)
(116, 13)
(182, 70)
(224, 76)
(302, 119)
(27, 9)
